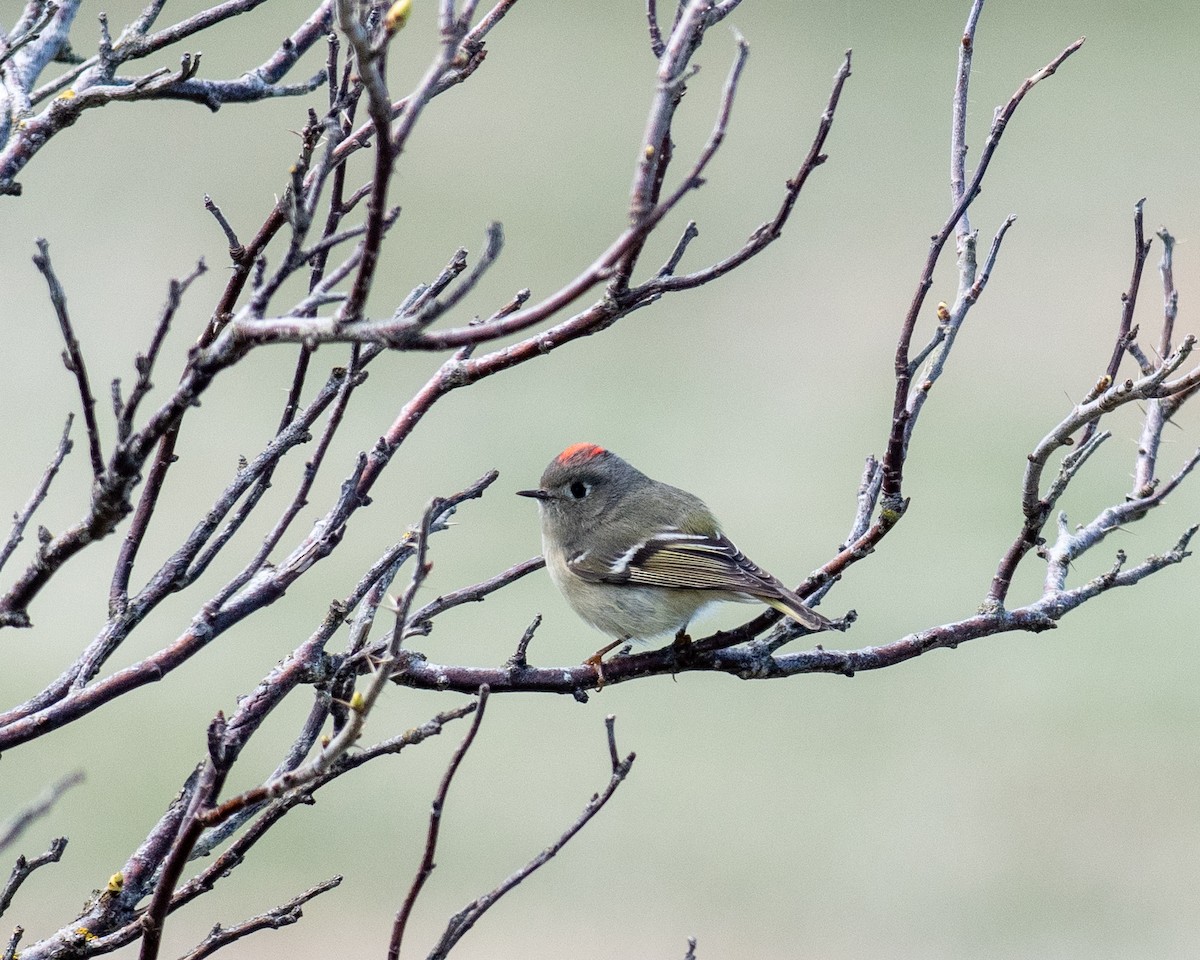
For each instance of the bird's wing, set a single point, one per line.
(680, 560)
(688, 561)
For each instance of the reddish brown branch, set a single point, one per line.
(435, 822)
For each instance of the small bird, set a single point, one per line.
(639, 559)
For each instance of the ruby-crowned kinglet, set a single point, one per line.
(638, 559)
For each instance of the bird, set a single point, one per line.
(639, 559)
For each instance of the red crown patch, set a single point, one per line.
(580, 451)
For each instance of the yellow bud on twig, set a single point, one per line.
(397, 15)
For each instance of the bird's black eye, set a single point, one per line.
(578, 489)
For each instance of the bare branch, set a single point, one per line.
(1141, 249)
(1157, 412)
(281, 916)
(26, 34)
(893, 462)
(950, 320)
(73, 356)
(1069, 546)
(466, 918)
(430, 310)
(10, 952)
(435, 822)
(958, 122)
(518, 661)
(868, 497)
(94, 83)
(420, 621)
(145, 363)
(24, 868)
(10, 831)
(769, 232)
(22, 518)
(1105, 398)
(375, 583)
(657, 47)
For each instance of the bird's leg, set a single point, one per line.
(597, 660)
(681, 648)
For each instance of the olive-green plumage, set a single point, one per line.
(637, 558)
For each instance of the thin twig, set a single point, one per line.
(236, 251)
(466, 918)
(22, 518)
(958, 123)
(237, 851)
(27, 36)
(430, 311)
(144, 363)
(950, 320)
(39, 808)
(420, 621)
(1170, 294)
(273, 919)
(435, 821)
(519, 660)
(893, 462)
(1085, 416)
(657, 47)
(1157, 412)
(23, 868)
(10, 951)
(208, 786)
(72, 356)
(769, 232)
(413, 545)
(1141, 250)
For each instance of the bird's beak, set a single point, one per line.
(542, 495)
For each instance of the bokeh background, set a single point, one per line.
(1021, 796)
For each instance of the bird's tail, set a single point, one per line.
(792, 606)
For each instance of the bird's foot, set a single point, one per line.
(596, 660)
(681, 649)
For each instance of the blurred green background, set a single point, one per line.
(1022, 796)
